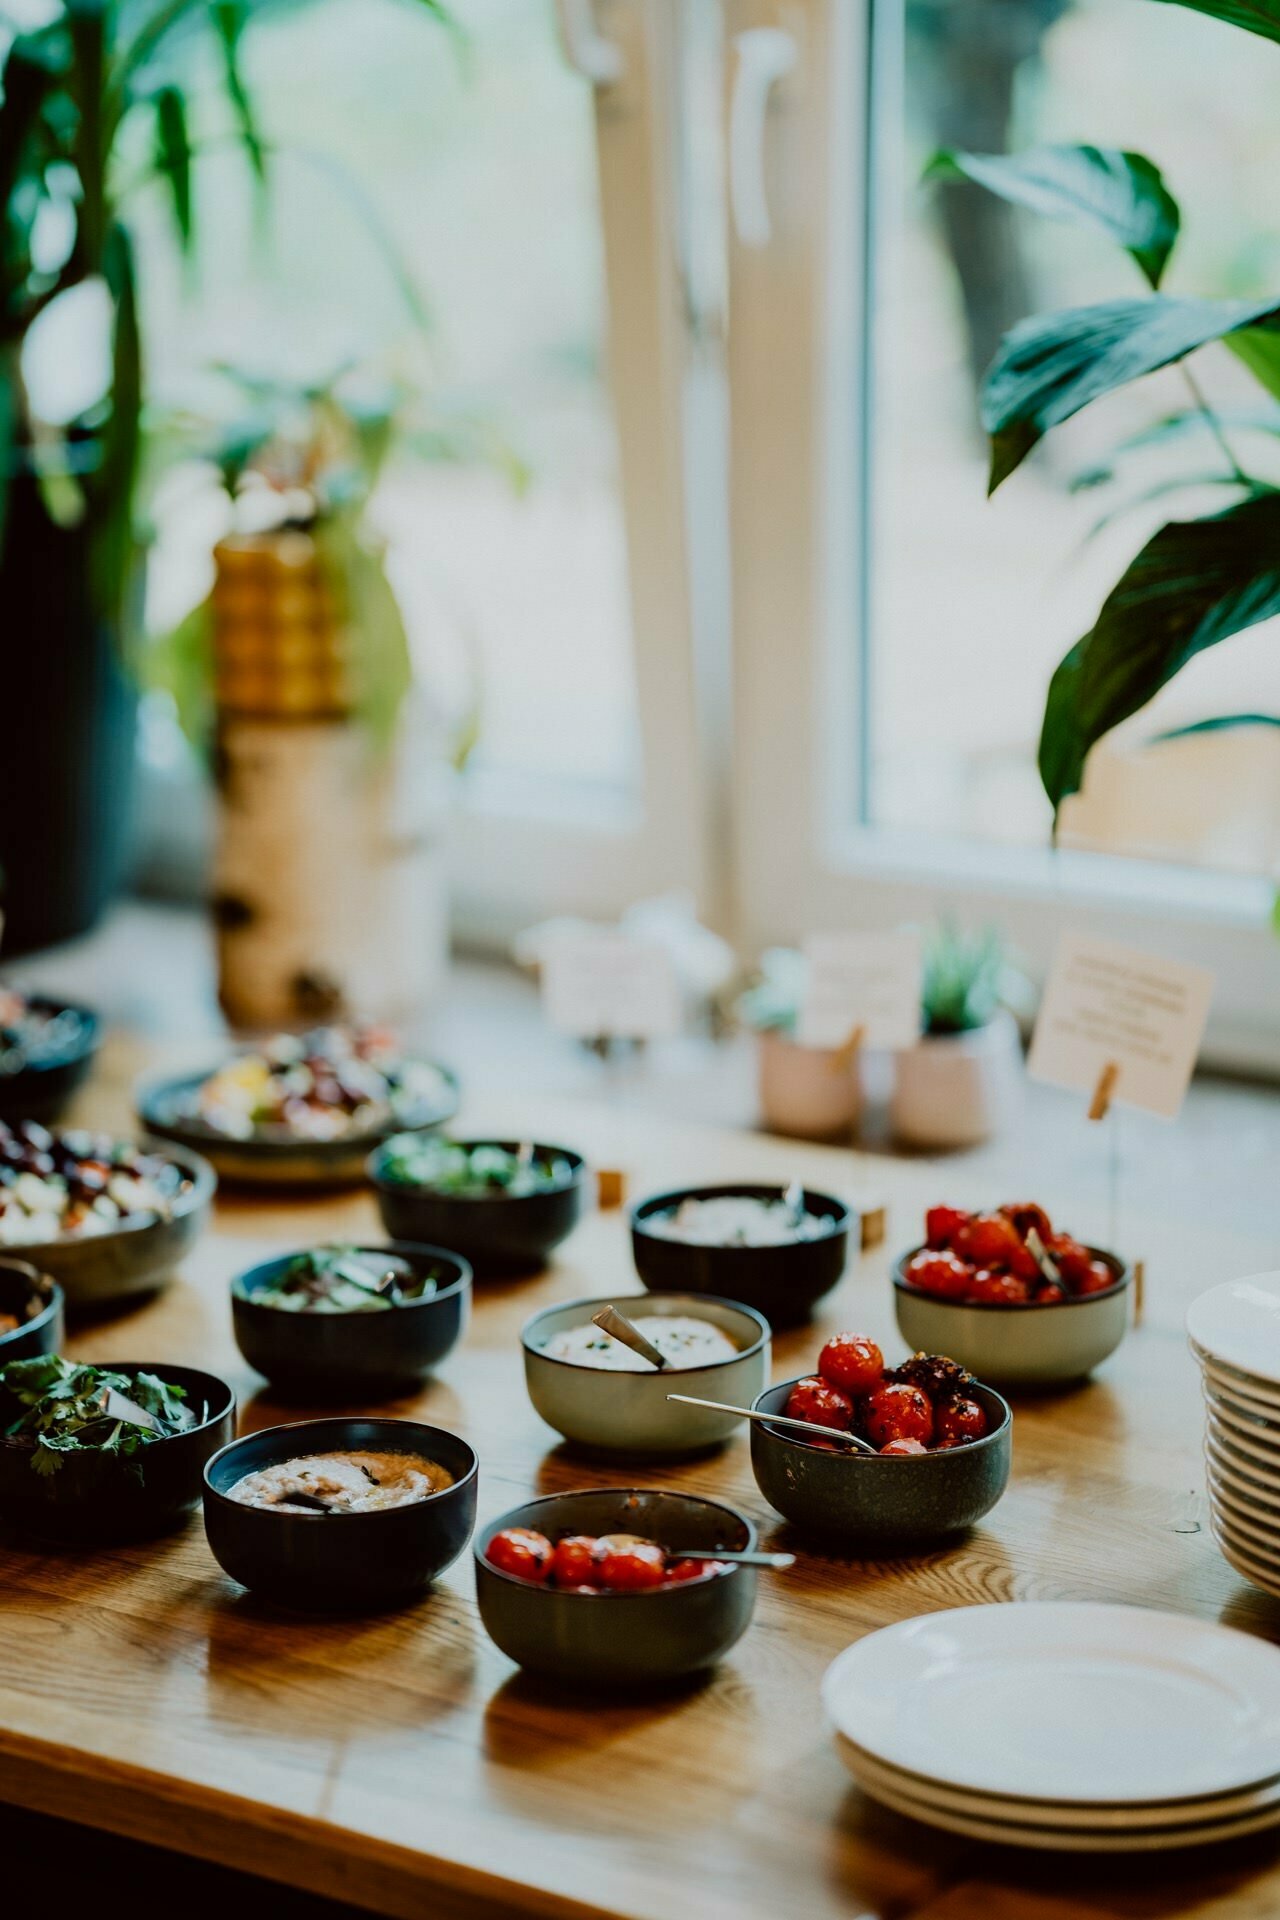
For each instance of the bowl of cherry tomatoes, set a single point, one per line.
(1018, 1301)
(595, 1587)
(942, 1440)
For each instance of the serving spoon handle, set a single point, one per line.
(852, 1440)
(747, 1557)
(619, 1328)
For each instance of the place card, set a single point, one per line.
(1120, 1024)
(608, 986)
(863, 989)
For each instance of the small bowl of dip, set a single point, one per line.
(342, 1515)
(745, 1243)
(600, 1395)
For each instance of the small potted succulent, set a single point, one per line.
(811, 1093)
(962, 1079)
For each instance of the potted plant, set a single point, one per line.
(811, 1093)
(962, 1080)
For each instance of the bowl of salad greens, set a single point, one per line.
(344, 1321)
(505, 1205)
(107, 1453)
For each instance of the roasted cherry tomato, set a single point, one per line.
(1049, 1293)
(942, 1224)
(997, 1290)
(898, 1447)
(942, 1274)
(682, 1570)
(851, 1362)
(1097, 1278)
(992, 1240)
(521, 1551)
(896, 1411)
(1070, 1258)
(1025, 1214)
(574, 1562)
(958, 1420)
(815, 1399)
(633, 1568)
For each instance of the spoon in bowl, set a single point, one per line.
(619, 1328)
(837, 1434)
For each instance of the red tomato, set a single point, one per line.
(851, 1362)
(683, 1570)
(998, 1290)
(574, 1562)
(959, 1420)
(814, 1399)
(1070, 1258)
(942, 1224)
(1097, 1278)
(991, 1240)
(521, 1551)
(897, 1411)
(941, 1274)
(1049, 1293)
(632, 1569)
(897, 1447)
(1025, 1214)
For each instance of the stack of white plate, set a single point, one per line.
(1094, 1729)
(1234, 1331)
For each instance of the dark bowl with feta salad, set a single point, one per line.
(46, 1049)
(348, 1322)
(106, 1218)
(96, 1454)
(300, 1109)
(505, 1205)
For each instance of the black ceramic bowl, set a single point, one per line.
(498, 1233)
(107, 1497)
(343, 1563)
(781, 1282)
(866, 1503)
(41, 1089)
(620, 1639)
(345, 1355)
(36, 1300)
(273, 1160)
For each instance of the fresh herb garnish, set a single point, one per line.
(343, 1280)
(65, 1410)
(429, 1160)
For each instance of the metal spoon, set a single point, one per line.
(780, 1420)
(793, 1201)
(747, 1557)
(619, 1328)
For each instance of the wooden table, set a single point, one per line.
(401, 1763)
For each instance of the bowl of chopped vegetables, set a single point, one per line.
(300, 1109)
(46, 1049)
(30, 1312)
(504, 1204)
(106, 1453)
(346, 1321)
(104, 1217)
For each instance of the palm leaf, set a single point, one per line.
(1254, 16)
(1220, 723)
(114, 545)
(173, 157)
(229, 19)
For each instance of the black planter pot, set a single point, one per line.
(66, 773)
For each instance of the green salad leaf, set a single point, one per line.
(67, 1408)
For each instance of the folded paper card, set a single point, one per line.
(863, 984)
(603, 985)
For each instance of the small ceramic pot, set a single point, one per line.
(808, 1093)
(1013, 1346)
(957, 1090)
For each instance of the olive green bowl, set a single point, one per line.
(620, 1639)
(1036, 1345)
(629, 1413)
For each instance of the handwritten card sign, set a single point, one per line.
(1115, 1017)
(867, 980)
(607, 986)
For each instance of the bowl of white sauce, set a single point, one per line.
(776, 1250)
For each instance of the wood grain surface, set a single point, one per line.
(402, 1763)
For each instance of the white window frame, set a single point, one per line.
(799, 407)
(525, 849)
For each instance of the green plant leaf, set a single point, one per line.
(1049, 367)
(1219, 723)
(1254, 16)
(1190, 423)
(229, 19)
(114, 482)
(1260, 352)
(1121, 194)
(1195, 583)
(173, 157)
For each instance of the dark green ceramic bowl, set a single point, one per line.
(620, 1639)
(782, 1282)
(866, 1503)
(499, 1233)
(36, 1302)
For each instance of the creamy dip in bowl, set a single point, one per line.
(342, 1483)
(682, 1340)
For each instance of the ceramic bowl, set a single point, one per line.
(629, 1413)
(351, 1562)
(867, 1503)
(40, 1091)
(782, 1283)
(620, 1639)
(138, 1256)
(99, 1497)
(276, 1162)
(1031, 1346)
(346, 1355)
(36, 1300)
(498, 1233)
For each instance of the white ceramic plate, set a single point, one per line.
(1245, 1420)
(1244, 1443)
(1243, 1474)
(1238, 1323)
(1046, 1813)
(1248, 1393)
(1047, 1839)
(1268, 1578)
(1252, 1520)
(1069, 1702)
(1266, 1554)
